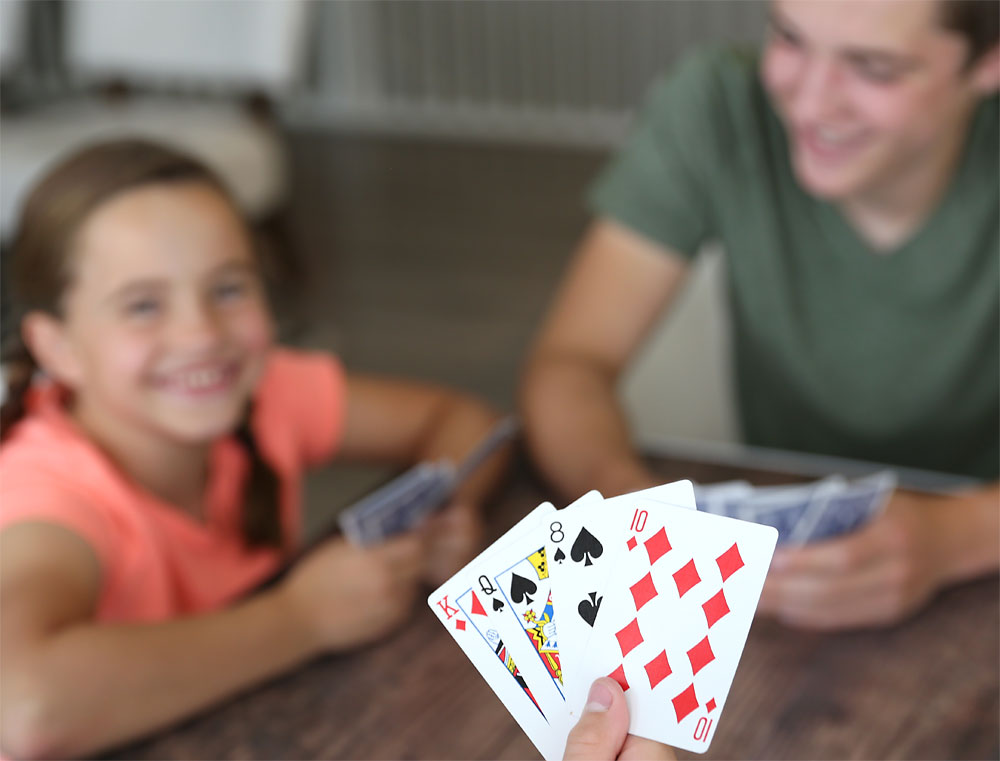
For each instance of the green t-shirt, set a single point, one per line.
(838, 350)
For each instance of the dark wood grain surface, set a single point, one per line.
(926, 689)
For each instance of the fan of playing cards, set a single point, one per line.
(642, 587)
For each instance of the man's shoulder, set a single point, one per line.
(713, 104)
(734, 65)
(714, 75)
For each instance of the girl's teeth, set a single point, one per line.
(201, 379)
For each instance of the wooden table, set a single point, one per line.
(926, 689)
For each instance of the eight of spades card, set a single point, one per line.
(675, 617)
(581, 544)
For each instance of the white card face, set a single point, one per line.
(521, 576)
(680, 493)
(513, 585)
(577, 560)
(691, 582)
(526, 617)
(467, 611)
(583, 540)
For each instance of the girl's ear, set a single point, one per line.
(46, 339)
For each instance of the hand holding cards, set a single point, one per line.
(642, 588)
(407, 500)
(802, 513)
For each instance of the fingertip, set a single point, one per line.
(611, 685)
(601, 696)
(603, 726)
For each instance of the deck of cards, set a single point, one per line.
(643, 588)
(802, 513)
(407, 500)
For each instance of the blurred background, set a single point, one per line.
(414, 168)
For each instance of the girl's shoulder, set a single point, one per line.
(46, 447)
(53, 474)
(288, 367)
(300, 404)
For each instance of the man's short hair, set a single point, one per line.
(976, 20)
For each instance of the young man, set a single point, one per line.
(851, 173)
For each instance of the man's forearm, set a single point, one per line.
(976, 550)
(93, 685)
(577, 430)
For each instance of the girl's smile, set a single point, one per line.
(199, 382)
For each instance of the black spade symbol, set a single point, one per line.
(520, 588)
(586, 547)
(588, 608)
(497, 604)
(560, 556)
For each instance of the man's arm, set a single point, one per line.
(882, 573)
(617, 285)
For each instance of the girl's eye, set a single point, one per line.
(142, 308)
(230, 291)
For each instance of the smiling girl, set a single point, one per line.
(150, 473)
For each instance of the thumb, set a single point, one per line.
(601, 731)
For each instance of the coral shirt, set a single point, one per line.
(158, 562)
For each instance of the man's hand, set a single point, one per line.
(882, 573)
(602, 732)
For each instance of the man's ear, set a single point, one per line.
(986, 72)
(46, 339)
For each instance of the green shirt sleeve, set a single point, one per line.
(658, 183)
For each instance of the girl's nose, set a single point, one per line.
(197, 327)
